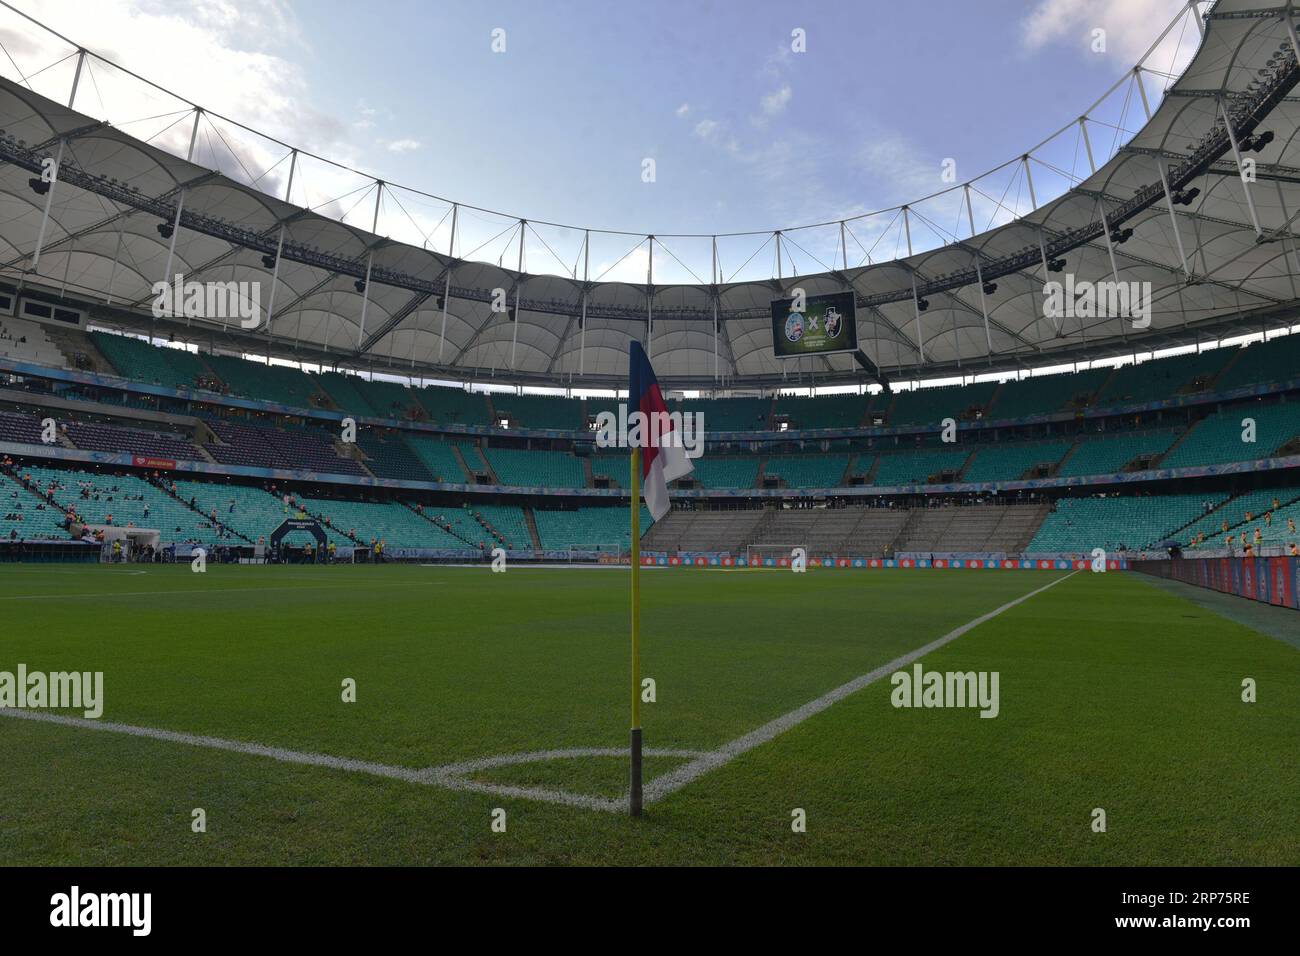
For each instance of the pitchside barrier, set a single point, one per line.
(1274, 580)
(1038, 563)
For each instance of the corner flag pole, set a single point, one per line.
(635, 486)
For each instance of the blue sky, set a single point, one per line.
(745, 134)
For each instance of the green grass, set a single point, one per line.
(1114, 694)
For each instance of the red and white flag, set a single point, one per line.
(663, 456)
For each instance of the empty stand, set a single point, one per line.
(607, 528)
(1045, 394)
(929, 406)
(391, 458)
(988, 527)
(269, 383)
(1218, 438)
(1010, 460)
(111, 438)
(26, 341)
(547, 469)
(1135, 522)
(847, 410)
(919, 465)
(1163, 378)
(539, 411)
(266, 447)
(807, 471)
(1111, 453)
(682, 530)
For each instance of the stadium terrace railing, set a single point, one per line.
(100, 380)
(127, 460)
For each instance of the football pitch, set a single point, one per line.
(476, 691)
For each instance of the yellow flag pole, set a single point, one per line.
(634, 800)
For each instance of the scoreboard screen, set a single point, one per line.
(814, 325)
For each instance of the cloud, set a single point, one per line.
(706, 128)
(682, 110)
(403, 145)
(775, 103)
(633, 267)
(1131, 26)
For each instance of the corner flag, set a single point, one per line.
(658, 462)
(663, 458)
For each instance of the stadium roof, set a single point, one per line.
(1222, 258)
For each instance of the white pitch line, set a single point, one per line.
(352, 587)
(674, 780)
(456, 776)
(221, 743)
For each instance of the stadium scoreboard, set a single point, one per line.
(814, 325)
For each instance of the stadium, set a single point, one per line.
(308, 467)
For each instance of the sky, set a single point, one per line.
(550, 110)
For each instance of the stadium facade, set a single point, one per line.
(1187, 193)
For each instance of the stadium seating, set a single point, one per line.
(725, 472)
(439, 458)
(137, 359)
(110, 438)
(929, 406)
(247, 509)
(470, 451)
(830, 532)
(24, 516)
(388, 399)
(1007, 461)
(1045, 394)
(124, 499)
(539, 411)
(1152, 380)
(1218, 438)
(722, 531)
(987, 527)
(728, 414)
(1233, 512)
(269, 383)
(266, 447)
(26, 341)
(1277, 531)
(1104, 454)
(345, 392)
(808, 471)
(509, 520)
(916, 466)
(606, 528)
(1080, 524)
(23, 429)
(391, 522)
(453, 405)
(391, 458)
(546, 469)
(1277, 360)
(848, 410)
(1162, 378)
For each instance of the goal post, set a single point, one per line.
(597, 551)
